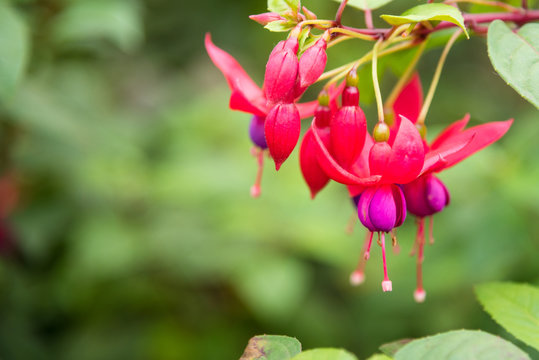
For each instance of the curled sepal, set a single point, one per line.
(282, 129)
(246, 95)
(407, 154)
(313, 174)
(476, 138)
(282, 71)
(348, 130)
(334, 170)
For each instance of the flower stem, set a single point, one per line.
(352, 34)
(436, 78)
(405, 77)
(376, 85)
(338, 16)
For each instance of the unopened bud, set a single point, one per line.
(381, 132)
(352, 79)
(323, 98)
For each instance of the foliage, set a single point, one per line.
(133, 235)
(459, 344)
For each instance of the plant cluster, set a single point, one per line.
(394, 171)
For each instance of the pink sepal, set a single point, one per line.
(246, 95)
(334, 170)
(410, 100)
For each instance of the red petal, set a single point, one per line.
(482, 136)
(313, 174)
(449, 131)
(246, 95)
(410, 100)
(407, 154)
(334, 170)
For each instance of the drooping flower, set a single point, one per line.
(428, 195)
(247, 97)
(377, 174)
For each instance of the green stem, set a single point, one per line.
(377, 93)
(436, 78)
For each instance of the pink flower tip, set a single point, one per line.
(357, 278)
(419, 295)
(255, 191)
(387, 286)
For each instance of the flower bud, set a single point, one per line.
(282, 129)
(378, 157)
(256, 131)
(282, 71)
(312, 63)
(381, 132)
(382, 208)
(348, 129)
(426, 195)
(265, 18)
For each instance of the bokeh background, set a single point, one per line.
(127, 229)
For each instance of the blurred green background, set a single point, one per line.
(127, 229)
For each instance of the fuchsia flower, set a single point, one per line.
(276, 117)
(378, 172)
(427, 194)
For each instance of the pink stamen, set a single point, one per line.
(358, 276)
(386, 284)
(255, 189)
(420, 294)
(431, 223)
(368, 250)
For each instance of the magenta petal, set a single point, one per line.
(400, 203)
(334, 170)
(382, 209)
(407, 154)
(363, 208)
(410, 100)
(246, 95)
(437, 194)
(449, 131)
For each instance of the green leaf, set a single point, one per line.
(325, 354)
(118, 21)
(13, 50)
(379, 357)
(428, 12)
(391, 348)
(271, 347)
(366, 4)
(461, 344)
(281, 6)
(513, 306)
(516, 57)
(279, 26)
